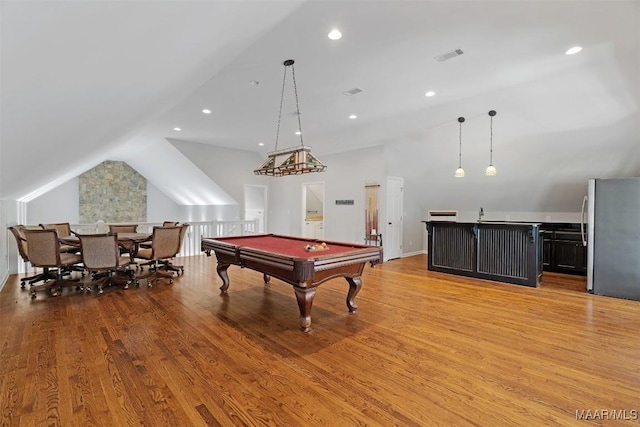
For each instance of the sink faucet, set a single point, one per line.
(480, 214)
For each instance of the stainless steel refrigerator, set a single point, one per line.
(611, 232)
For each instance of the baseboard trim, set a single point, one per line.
(408, 254)
(3, 281)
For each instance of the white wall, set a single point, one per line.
(4, 244)
(11, 213)
(345, 179)
(230, 169)
(528, 188)
(61, 204)
(255, 197)
(210, 213)
(161, 208)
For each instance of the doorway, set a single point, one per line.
(313, 210)
(393, 239)
(255, 205)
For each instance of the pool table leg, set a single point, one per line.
(304, 296)
(355, 283)
(222, 272)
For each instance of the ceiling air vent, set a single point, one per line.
(351, 92)
(449, 55)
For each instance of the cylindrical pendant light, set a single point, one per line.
(460, 172)
(491, 170)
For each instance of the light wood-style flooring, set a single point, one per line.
(424, 349)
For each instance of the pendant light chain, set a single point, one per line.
(284, 78)
(460, 147)
(491, 170)
(295, 90)
(460, 172)
(491, 142)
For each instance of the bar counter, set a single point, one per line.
(508, 252)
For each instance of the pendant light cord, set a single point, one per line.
(491, 143)
(289, 63)
(491, 114)
(460, 148)
(295, 90)
(284, 78)
(460, 120)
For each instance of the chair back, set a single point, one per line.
(169, 223)
(123, 228)
(62, 228)
(183, 232)
(43, 247)
(100, 251)
(165, 242)
(18, 233)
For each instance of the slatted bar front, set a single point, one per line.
(500, 251)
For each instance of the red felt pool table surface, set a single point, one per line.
(289, 246)
(286, 258)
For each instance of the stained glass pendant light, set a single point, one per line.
(491, 170)
(295, 160)
(460, 172)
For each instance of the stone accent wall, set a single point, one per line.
(113, 192)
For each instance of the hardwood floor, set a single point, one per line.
(424, 349)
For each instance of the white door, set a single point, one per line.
(393, 235)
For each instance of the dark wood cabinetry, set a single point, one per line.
(562, 247)
(547, 238)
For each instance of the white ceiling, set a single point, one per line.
(82, 80)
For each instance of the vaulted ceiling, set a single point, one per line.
(86, 81)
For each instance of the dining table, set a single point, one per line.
(129, 241)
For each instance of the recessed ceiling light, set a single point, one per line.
(334, 34)
(206, 111)
(298, 132)
(430, 93)
(177, 129)
(351, 92)
(573, 50)
(353, 116)
(261, 144)
(254, 82)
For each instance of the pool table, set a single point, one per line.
(290, 260)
